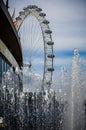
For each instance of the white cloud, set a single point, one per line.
(59, 12)
(62, 43)
(63, 11)
(62, 61)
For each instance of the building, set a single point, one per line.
(10, 56)
(10, 47)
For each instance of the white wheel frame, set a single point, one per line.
(47, 39)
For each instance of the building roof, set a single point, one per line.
(9, 35)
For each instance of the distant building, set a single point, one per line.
(10, 48)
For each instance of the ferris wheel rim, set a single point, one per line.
(47, 39)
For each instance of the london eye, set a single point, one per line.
(36, 41)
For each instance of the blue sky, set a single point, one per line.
(68, 23)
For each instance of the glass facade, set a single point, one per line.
(4, 66)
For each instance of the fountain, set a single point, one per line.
(75, 103)
(22, 109)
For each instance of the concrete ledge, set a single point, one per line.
(9, 35)
(6, 53)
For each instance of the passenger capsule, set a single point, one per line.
(42, 14)
(25, 8)
(50, 69)
(32, 7)
(51, 56)
(29, 7)
(45, 22)
(50, 43)
(21, 13)
(39, 9)
(18, 18)
(48, 31)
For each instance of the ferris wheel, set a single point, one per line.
(36, 41)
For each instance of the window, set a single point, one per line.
(4, 66)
